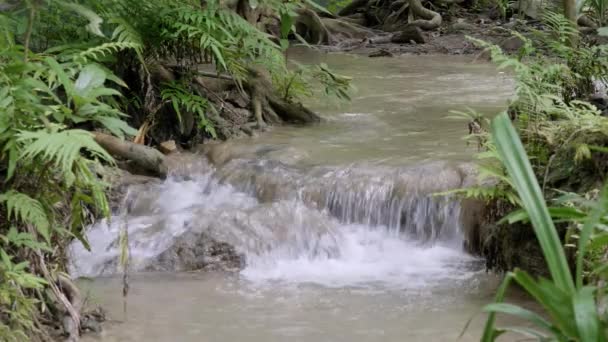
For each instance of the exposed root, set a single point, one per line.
(65, 292)
(342, 29)
(71, 323)
(430, 19)
(394, 21)
(260, 87)
(327, 30)
(310, 26)
(256, 101)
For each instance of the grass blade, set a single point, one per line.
(520, 312)
(516, 161)
(489, 332)
(585, 314)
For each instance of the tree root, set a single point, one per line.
(430, 19)
(340, 29)
(394, 21)
(275, 107)
(310, 26)
(71, 326)
(325, 31)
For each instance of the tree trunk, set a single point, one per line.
(570, 10)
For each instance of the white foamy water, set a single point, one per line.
(368, 257)
(290, 240)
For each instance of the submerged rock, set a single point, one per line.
(380, 53)
(195, 250)
(411, 34)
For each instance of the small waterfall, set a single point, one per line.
(336, 226)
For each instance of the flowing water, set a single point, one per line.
(342, 235)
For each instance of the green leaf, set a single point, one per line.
(90, 77)
(117, 126)
(316, 6)
(489, 331)
(603, 31)
(12, 159)
(94, 25)
(286, 24)
(61, 148)
(564, 213)
(553, 299)
(522, 313)
(28, 210)
(537, 335)
(585, 313)
(514, 157)
(64, 79)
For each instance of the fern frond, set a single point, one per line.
(97, 52)
(125, 33)
(26, 209)
(62, 148)
(182, 98)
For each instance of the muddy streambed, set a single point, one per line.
(336, 224)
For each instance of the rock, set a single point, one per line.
(511, 44)
(408, 35)
(167, 147)
(219, 154)
(195, 250)
(601, 103)
(531, 8)
(463, 26)
(237, 97)
(120, 181)
(381, 53)
(585, 21)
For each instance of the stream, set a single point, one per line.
(341, 233)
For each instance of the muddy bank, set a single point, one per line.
(449, 39)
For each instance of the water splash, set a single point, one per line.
(342, 226)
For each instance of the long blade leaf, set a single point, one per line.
(516, 161)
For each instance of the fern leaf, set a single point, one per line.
(28, 210)
(60, 148)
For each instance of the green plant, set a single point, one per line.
(49, 189)
(182, 98)
(571, 307)
(306, 81)
(599, 10)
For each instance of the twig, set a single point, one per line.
(28, 33)
(214, 75)
(546, 175)
(69, 307)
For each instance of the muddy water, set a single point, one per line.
(398, 113)
(343, 238)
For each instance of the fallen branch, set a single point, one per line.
(147, 158)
